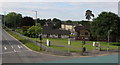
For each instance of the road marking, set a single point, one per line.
(19, 46)
(14, 50)
(12, 46)
(5, 48)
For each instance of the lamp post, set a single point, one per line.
(108, 39)
(35, 24)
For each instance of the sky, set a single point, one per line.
(62, 10)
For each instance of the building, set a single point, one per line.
(79, 30)
(50, 31)
(69, 26)
(82, 32)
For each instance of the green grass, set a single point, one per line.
(75, 44)
(65, 49)
(24, 41)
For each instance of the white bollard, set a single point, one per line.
(93, 43)
(48, 42)
(69, 42)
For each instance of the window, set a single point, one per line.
(86, 33)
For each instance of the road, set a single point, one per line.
(15, 52)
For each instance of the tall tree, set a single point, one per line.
(104, 22)
(57, 23)
(88, 14)
(27, 21)
(18, 20)
(42, 21)
(11, 19)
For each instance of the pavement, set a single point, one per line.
(114, 58)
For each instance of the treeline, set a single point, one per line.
(106, 24)
(14, 20)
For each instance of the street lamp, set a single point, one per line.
(108, 39)
(35, 24)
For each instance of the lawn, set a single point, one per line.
(75, 44)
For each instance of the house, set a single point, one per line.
(69, 26)
(79, 30)
(82, 32)
(50, 31)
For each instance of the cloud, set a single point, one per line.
(61, 10)
(59, 0)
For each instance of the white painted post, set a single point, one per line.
(48, 42)
(69, 42)
(93, 43)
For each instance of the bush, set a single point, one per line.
(34, 31)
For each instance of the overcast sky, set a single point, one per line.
(61, 10)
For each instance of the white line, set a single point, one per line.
(14, 50)
(19, 46)
(5, 48)
(12, 46)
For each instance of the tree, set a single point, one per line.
(34, 31)
(42, 22)
(104, 22)
(88, 14)
(27, 21)
(57, 23)
(18, 19)
(11, 19)
(69, 21)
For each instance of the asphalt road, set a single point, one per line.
(15, 52)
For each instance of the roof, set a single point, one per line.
(74, 24)
(78, 28)
(48, 30)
